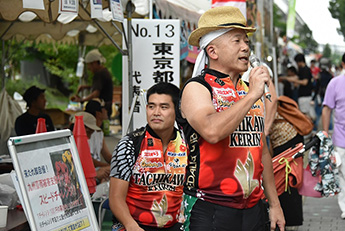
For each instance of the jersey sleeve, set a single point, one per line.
(123, 159)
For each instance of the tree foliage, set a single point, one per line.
(337, 9)
(59, 60)
(304, 37)
(327, 51)
(306, 40)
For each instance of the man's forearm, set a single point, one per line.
(118, 205)
(326, 118)
(94, 94)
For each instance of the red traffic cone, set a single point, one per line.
(41, 125)
(83, 147)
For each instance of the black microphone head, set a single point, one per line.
(254, 61)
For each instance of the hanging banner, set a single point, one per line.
(68, 6)
(116, 10)
(96, 9)
(290, 25)
(240, 4)
(156, 58)
(36, 4)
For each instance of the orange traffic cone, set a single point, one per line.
(83, 147)
(41, 125)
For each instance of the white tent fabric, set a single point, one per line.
(48, 25)
(9, 111)
(187, 10)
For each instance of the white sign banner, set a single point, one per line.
(33, 4)
(68, 6)
(53, 190)
(116, 10)
(96, 9)
(156, 58)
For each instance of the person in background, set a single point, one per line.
(148, 168)
(290, 89)
(335, 101)
(102, 172)
(102, 83)
(35, 102)
(315, 70)
(98, 146)
(283, 136)
(322, 81)
(229, 163)
(305, 86)
(338, 70)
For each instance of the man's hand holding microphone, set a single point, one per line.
(260, 72)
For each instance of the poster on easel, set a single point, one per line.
(52, 183)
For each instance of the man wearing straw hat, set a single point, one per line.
(229, 161)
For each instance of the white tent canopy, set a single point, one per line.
(48, 25)
(186, 10)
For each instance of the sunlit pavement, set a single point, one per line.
(321, 214)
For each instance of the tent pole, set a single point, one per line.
(105, 32)
(3, 64)
(109, 37)
(130, 9)
(151, 9)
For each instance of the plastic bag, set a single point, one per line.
(8, 196)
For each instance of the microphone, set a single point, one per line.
(255, 62)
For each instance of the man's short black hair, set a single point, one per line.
(292, 69)
(299, 58)
(164, 88)
(343, 59)
(31, 94)
(92, 107)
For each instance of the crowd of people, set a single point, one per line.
(212, 170)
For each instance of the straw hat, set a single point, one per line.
(217, 18)
(88, 119)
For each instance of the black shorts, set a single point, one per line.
(206, 216)
(119, 227)
(176, 227)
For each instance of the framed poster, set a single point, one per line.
(52, 183)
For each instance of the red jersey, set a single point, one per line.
(156, 182)
(229, 172)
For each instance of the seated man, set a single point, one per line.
(148, 168)
(35, 102)
(91, 127)
(98, 147)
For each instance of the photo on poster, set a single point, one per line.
(67, 181)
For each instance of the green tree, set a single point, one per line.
(337, 9)
(327, 51)
(278, 20)
(59, 60)
(305, 35)
(306, 40)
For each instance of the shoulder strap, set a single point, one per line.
(137, 136)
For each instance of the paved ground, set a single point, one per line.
(321, 214)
